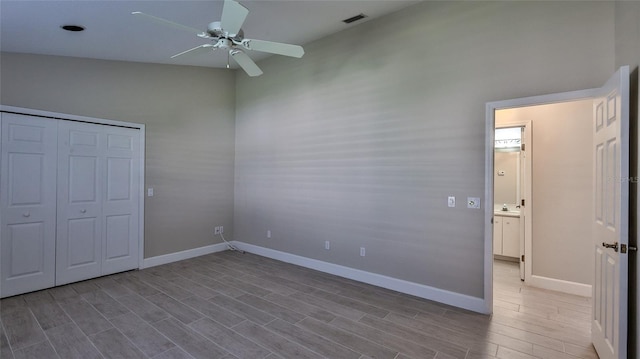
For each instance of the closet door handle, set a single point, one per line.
(83, 211)
(26, 214)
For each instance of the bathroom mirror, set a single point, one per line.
(507, 166)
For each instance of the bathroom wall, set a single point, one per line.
(505, 188)
(561, 202)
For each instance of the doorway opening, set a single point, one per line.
(610, 211)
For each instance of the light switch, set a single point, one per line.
(150, 192)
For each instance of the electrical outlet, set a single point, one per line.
(150, 192)
(362, 252)
(221, 229)
(473, 202)
(268, 233)
(327, 245)
(216, 230)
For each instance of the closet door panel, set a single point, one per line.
(80, 186)
(120, 207)
(27, 203)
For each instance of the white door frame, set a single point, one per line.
(100, 121)
(491, 108)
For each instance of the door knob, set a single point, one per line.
(26, 214)
(83, 211)
(609, 245)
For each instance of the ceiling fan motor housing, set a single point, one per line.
(215, 30)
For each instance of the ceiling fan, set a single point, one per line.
(227, 34)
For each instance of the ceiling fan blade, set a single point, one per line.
(195, 50)
(166, 22)
(233, 15)
(246, 63)
(273, 47)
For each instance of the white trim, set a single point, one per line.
(490, 110)
(419, 290)
(182, 255)
(65, 116)
(559, 285)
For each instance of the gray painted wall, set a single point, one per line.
(627, 52)
(361, 141)
(189, 115)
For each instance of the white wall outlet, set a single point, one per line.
(327, 245)
(150, 192)
(473, 202)
(362, 252)
(268, 233)
(221, 229)
(216, 230)
(451, 202)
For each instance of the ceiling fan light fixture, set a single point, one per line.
(72, 28)
(354, 18)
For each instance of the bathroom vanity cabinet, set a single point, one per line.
(506, 235)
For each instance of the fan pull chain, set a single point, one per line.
(228, 54)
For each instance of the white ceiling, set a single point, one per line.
(112, 33)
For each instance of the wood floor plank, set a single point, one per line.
(5, 349)
(175, 308)
(312, 341)
(300, 307)
(213, 311)
(380, 336)
(142, 335)
(276, 310)
(104, 304)
(71, 343)
(37, 351)
(143, 308)
(188, 339)
(113, 344)
(274, 342)
(21, 327)
(229, 340)
(346, 339)
(137, 286)
(243, 309)
(416, 336)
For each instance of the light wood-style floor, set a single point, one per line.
(232, 305)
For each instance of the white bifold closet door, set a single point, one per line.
(98, 194)
(27, 203)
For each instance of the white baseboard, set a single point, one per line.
(583, 290)
(186, 254)
(403, 286)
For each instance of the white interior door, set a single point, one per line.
(28, 203)
(80, 182)
(121, 196)
(611, 216)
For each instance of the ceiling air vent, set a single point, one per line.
(354, 18)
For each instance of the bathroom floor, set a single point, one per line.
(543, 317)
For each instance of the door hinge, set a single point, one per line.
(522, 147)
(522, 202)
(522, 258)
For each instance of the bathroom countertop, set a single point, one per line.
(512, 212)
